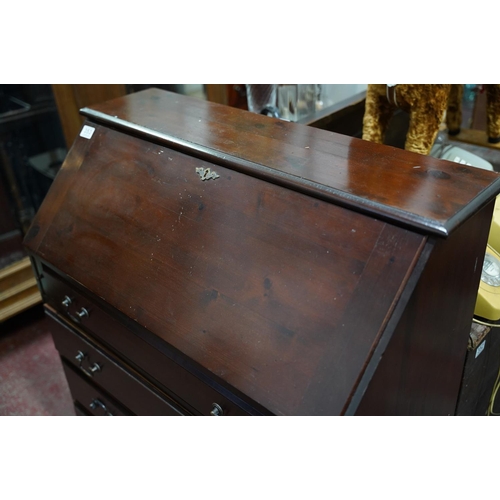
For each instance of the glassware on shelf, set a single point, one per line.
(260, 96)
(287, 102)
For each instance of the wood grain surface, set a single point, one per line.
(421, 191)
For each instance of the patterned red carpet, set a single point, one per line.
(32, 381)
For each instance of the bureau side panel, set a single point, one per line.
(421, 370)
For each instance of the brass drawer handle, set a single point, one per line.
(217, 411)
(97, 403)
(96, 367)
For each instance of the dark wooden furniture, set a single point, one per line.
(200, 259)
(71, 97)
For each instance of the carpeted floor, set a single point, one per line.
(32, 380)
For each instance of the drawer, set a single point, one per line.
(97, 365)
(87, 396)
(183, 386)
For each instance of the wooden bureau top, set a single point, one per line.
(421, 192)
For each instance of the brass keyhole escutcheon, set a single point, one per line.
(206, 174)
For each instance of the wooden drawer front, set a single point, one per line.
(91, 398)
(92, 362)
(191, 392)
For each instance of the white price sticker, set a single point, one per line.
(480, 349)
(87, 132)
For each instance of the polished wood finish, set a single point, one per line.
(96, 364)
(291, 284)
(420, 191)
(137, 348)
(71, 97)
(89, 397)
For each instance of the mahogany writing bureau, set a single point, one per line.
(199, 259)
